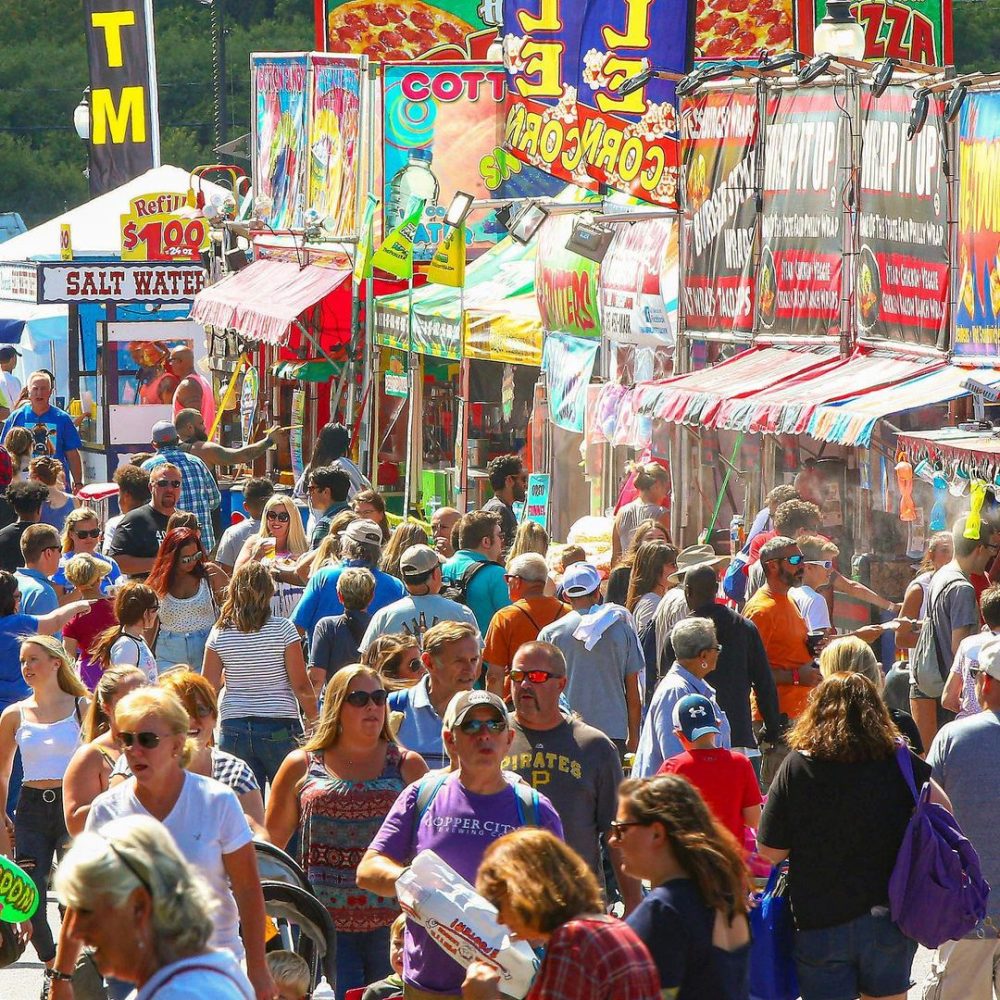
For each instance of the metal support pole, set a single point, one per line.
(411, 402)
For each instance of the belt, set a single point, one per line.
(47, 795)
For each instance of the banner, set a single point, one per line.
(568, 363)
(298, 418)
(410, 29)
(447, 266)
(335, 140)
(718, 214)
(977, 297)
(739, 29)
(152, 229)
(280, 148)
(638, 284)
(126, 282)
(248, 403)
(366, 237)
(124, 124)
(18, 895)
(901, 277)
(395, 255)
(805, 183)
(565, 61)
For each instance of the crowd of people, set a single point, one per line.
(356, 694)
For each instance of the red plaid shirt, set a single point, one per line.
(6, 468)
(596, 958)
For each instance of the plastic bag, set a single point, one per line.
(463, 924)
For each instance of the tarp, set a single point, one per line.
(25, 322)
(852, 421)
(314, 370)
(951, 443)
(263, 300)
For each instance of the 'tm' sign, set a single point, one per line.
(124, 126)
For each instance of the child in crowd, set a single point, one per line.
(391, 987)
(290, 973)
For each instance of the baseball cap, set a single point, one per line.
(364, 530)
(6, 353)
(164, 432)
(580, 579)
(418, 560)
(989, 658)
(694, 716)
(465, 701)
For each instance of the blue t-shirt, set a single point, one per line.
(53, 431)
(37, 595)
(13, 628)
(111, 578)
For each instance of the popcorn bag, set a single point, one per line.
(464, 924)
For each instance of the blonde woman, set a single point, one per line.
(531, 537)
(46, 728)
(85, 574)
(19, 444)
(336, 791)
(652, 481)
(282, 546)
(49, 471)
(82, 534)
(406, 534)
(328, 551)
(265, 675)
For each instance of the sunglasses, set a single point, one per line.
(617, 826)
(825, 563)
(201, 711)
(52, 548)
(791, 560)
(517, 675)
(148, 741)
(472, 727)
(359, 699)
(278, 515)
(89, 533)
(188, 560)
(166, 484)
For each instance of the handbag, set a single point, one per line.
(772, 966)
(937, 892)
(12, 944)
(928, 665)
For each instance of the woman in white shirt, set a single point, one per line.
(136, 608)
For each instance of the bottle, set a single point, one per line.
(415, 180)
(737, 534)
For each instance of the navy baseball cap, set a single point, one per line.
(694, 716)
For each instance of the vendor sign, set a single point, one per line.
(151, 229)
(977, 297)
(280, 135)
(566, 283)
(719, 217)
(799, 276)
(18, 282)
(901, 278)
(125, 282)
(537, 503)
(18, 895)
(568, 363)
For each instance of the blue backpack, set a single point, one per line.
(734, 582)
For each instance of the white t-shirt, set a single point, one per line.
(196, 977)
(109, 532)
(207, 822)
(10, 386)
(131, 652)
(812, 606)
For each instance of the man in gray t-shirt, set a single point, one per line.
(603, 658)
(965, 758)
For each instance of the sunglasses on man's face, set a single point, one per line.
(167, 484)
(359, 699)
(148, 741)
(278, 515)
(794, 560)
(472, 727)
(517, 675)
(88, 533)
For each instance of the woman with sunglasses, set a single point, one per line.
(137, 609)
(203, 816)
(82, 534)
(281, 543)
(694, 922)
(190, 589)
(336, 791)
(45, 727)
(395, 657)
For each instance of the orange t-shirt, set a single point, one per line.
(783, 631)
(518, 623)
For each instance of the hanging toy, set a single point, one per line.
(959, 484)
(974, 522)
(939, 513)
(904, 478)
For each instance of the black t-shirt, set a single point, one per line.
(508, 522)
(139, 533)
(842, 824)
(908, 729)
(676, 926)
(10, 545)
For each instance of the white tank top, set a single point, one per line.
(46, 747)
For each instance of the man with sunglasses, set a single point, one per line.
(456, 814)
(139, 533)
(784, 633)
(574, 764)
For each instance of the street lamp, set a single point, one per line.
(81, 117)
(839, 32)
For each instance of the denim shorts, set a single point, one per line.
(867, 955)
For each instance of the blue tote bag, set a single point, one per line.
(772, 965)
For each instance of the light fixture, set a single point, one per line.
(236, 259)
(459, 209)
(770, 63)
(955, 101)
(918, 114)
(816, 66)
(690, 83)
(883, 76)
(839, 32)
(527, 222)
(590, 241)
(633, 83)
(81, 116)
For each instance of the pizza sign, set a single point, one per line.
(152, 231)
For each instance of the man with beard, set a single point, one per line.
(510, 484)
(193, 435)
(784, 633)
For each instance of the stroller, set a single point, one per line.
(303, 923)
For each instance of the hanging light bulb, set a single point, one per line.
(839, 32)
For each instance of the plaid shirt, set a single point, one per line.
(594, 958)
(199, 490)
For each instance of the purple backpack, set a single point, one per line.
(937, 892)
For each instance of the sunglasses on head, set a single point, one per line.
(148, 741)
(89, 533)
(359, 699)
(472, 727)
(167, 484)
(278, 515)
(517, 675)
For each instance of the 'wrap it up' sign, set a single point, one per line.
(124, 125)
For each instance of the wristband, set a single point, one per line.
(62, 977)
(795, 676)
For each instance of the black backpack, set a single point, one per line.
(458, 590)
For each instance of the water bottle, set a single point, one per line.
(737, 534)
(415, 180)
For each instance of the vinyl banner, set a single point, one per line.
(901, 278)
(335, 140)
(806, 149)
(568, 363)
(739, 29)
(566, 283)
(977, 298)
(565, 60)
(718, 219)
(280, 135)
(124, 129)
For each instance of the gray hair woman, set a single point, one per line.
(696, 652)
(139, 906)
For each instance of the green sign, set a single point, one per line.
(18, 895)
(396, 382)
